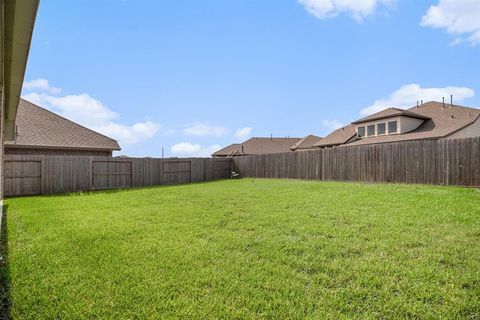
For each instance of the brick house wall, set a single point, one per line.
(57, 152)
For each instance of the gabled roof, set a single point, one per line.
(39, 128)
(306, 143)
(389, 113)
(443, 121)
(337, 137)
(257, 146)
(229, 151)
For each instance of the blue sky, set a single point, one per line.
(190, 76)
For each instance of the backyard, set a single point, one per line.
(245, 249)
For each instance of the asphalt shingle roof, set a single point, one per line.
(38, 127)
(442, 122)
(339, 136)
(258, 146)
(306, 143)
(390, 112)
(439, 122)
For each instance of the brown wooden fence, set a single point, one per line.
(31, 174)
(442, 162)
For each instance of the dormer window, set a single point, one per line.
(392, 127)
(381, 128)
(371, 130)
(361, 131)
(389, 121)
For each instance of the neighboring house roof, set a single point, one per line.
(229, 151)
(443, 122)
(439, 122)
(257, 146)
(39, 128)
(306, 143)
(337, 137)
(389, 113)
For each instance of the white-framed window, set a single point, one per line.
(370, 130)
(381, 128)
(361, 131)
(392, 127)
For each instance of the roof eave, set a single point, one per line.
(459, 129)
(327, 145)
(390, 116)
(392, 141)
(19, 20)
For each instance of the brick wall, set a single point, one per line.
(56, 152)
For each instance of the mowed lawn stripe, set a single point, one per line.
(248, 248)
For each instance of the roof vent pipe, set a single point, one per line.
(421, 102)
(417, 103)
(443, 102)
(451, 101)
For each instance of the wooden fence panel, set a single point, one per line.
(35, 174)
(176, 171)
(222, 168)
(22, 177)
(198, 170)
(444, 162)
(111, 174)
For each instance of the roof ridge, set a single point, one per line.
(446, 104)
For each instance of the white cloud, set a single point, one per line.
(41, 85)
(93, 114)
(168, 132)
(243, 132)
(129, 134)
(193, 150)
(80, 108)
(458, 17)
(332, 124)
(200, 129)
(408, 95)
(359, 9)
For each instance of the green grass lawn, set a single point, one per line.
(247, 249)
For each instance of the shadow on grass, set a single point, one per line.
(5, 280)
(116, 190)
